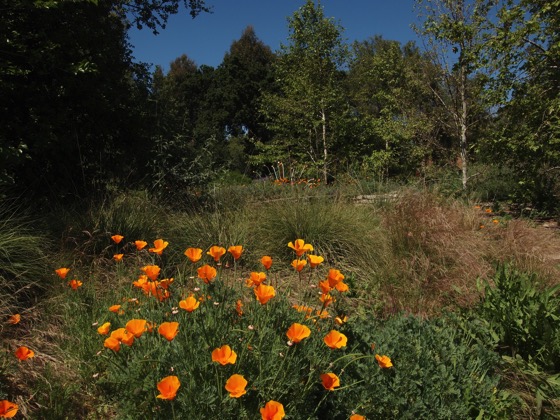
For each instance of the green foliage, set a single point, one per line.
(524, 319)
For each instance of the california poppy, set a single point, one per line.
(112, 344)
(299, 264)
(340, 320)
(14, 319)
(264, 293)
(224, 355)
(326, 298)
(335, 339)
(334, 277)
(325, 286)
(383, 361)
(159, 246)
(62, 272)
(235, 385)
(118, 257)
(206, 273)
(116, 309)
(74, 284)
(298, 332)
(315, 260)
(357, 417)
(117, 238)
(216, 252)
(169, 330)
(300, 247)
(236, 251)
(255, 278)
(104, 329)
(239, 307)
(136, 327)
(8, 409)
(140, 245)
(189, 304)
(272, 410)
(24, 353)
(266, 261)
(168, 387)
(152, 271)
(143, 279)
(122, 335)
(330, 381)
(193, 254)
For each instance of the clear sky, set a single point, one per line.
(208, 37)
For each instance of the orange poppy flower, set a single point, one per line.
(118, 257)
(136, 327)
(150, 326)
(8, 409)
(299, 264)
(495, 221)
(264, 293)
(272, 410)
(322, 314)
(62, 272)
(341, 286)
(74, 284)
(193, 254)
(206, 273)
(168, 387)
(104, 329)
(189, 304)
(488, 210)
(238, 307)
(325, 286)
(298, 332)
(235, 385)
(216, 252)
(152, 271)
(224, 355)
(14, 319)
(335, 339)
(326, 298)
(334, 277)
(165, 283)
(143, 279)
(357, 417)
(266, 261)
(255, 279)
(315, 260)
(112, 344)
(140, 245)
(122, 335)
(330, 381)
(159, 246)
(169, 330)
(383, 361)
(236, 251)
(24, 353)
(116, 309)
(340, 320)
(300, 247)
(117, 238)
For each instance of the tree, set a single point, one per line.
(304, 114)
(456, 31)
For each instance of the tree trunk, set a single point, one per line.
(463, 126)
(325, 151)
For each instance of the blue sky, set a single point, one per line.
(208, 37)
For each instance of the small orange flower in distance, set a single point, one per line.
(264, 293)
(330, 381)
(140, 245)
(152, 271)
(255, 279)
(272, 410)
(104, 329)
(159, 246)
(383, 361)
(235, 385)
(266, 261)
(193, 254)
(335, 339)
(299, 264)
(357, 417)
(315, 260)
(8, 409)
(236, 251)
(206, 273)
(168, 387)
(189, 304)
(298, 332)
(118, 257)
(24, 353)
(488, 210)
(216, 252)
(238, 307)
(115, 309)
(74, 284)
(495, 221)
(327, 299)
(169, 330)
(136, 327)
(112, 344)
(117, 238)
(14, 319)
(300, 247)
(224, 355)
(62, 272)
